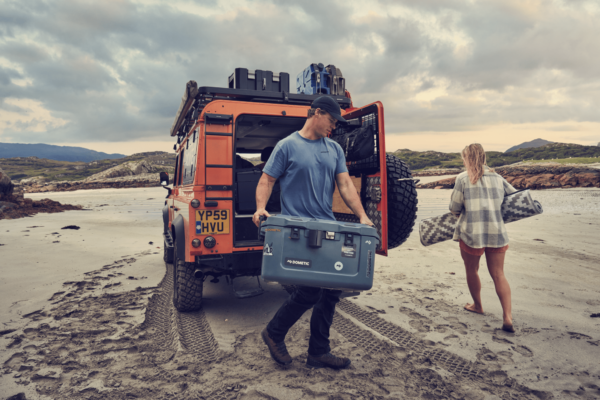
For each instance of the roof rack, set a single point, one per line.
(196, 98)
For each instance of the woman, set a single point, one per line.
(477, 200)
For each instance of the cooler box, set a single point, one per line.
(319, 253)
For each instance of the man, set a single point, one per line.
(308, 164)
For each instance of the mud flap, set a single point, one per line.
(169, 249)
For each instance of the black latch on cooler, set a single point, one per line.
(315, 238)
(295, 233)
(348, 240)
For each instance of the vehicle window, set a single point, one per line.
(176, 171)
(181, 171)
(189, 160)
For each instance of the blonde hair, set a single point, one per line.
(474, 159)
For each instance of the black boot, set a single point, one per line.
(327, 360)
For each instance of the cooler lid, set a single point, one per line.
(320, 225)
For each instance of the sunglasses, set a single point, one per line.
(332, 121)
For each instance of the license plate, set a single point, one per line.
(212, 222)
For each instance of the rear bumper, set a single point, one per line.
(246, 263)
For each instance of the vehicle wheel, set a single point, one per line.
(402, 201)
(168, 254)
(187, 289)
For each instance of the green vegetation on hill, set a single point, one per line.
(556, 151)
(19, 168)
(417, 160)
(428, 159)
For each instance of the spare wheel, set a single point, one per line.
(401, 201)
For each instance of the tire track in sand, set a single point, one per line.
(504, 386)
(421, 353)
(189, 332)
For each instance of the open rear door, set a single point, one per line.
(369, 175)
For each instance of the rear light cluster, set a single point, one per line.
(209, 242)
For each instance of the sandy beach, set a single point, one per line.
(86, 314)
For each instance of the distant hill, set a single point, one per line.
(19, 168)
(424, 159)
(526, 145)
(551, 151)
(52, 152)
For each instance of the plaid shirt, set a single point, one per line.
(480, 222)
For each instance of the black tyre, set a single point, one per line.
(402, 201)
(168, 254)
(187, 289)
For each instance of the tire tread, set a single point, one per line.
(402, 202)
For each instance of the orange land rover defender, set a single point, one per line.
(208, 228)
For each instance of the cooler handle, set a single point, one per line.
(261, 235)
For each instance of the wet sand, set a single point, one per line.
(87, 314)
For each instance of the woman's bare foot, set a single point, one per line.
(508, 328)
(473, 308)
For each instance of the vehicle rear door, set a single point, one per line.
(369, 175)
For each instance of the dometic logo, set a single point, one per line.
(296, 262)
(273, 230)
(369, 263)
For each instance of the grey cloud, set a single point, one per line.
(13, 108)
(23, 53)
(7, 75)
(116, 71)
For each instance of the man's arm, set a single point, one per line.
(351, 198)
(263, 192)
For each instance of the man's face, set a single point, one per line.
(325, 123)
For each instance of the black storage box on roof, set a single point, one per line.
(259, 80)
(319, 253)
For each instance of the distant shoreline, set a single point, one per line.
(536, 176)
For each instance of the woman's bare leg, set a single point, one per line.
(495, 262)
(472, 268)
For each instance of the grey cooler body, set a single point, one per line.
(319, 253)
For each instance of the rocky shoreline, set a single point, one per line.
(439, 172)
(123, 182)
(14, 205)
(537, 177)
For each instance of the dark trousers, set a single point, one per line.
(303, 298)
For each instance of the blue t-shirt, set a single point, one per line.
(306, 170)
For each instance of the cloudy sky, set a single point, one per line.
(109, 75)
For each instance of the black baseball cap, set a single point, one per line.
(328, 104)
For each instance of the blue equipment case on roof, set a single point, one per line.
(318, 79)
(319, 253)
